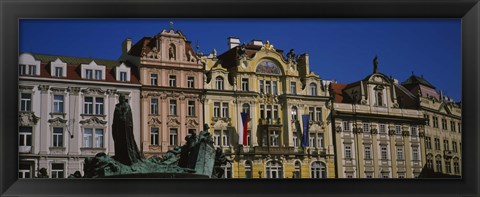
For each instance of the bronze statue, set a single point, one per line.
(126, 150)
(375, 64)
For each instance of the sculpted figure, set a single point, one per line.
(126, 150)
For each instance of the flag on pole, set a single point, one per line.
(305, 119)
(242, 128)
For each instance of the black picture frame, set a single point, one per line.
(12, 11)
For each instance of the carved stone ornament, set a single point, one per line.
(406, 133)
(267, 46)
(93, 91)
(173, 122)
(28, 119)
(74, 90)
(111, 91)
(154, 121)
(93, 121)
(374, 131)
(421, 134)
(57, 122)
(391, 132)
(192, 123)
(338, 129)
(58, 90)
(43, 88)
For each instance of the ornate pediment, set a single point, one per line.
(154, 121)
(93, 91)
(57, 121)
(173, 122)
(192, 123)
(93, 121)
(28, 119)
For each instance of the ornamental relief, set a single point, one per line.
(154, 121)
(58, 90)
(28, 119)
(221, 123)
(173, 122)
(57, 122)
(97, 91)
(93, 121)
(23, 88)
(192, 123)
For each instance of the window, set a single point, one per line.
(320, 140)
(437, 144)
(452, 126)
(22, 69)
(248, 169)
(311, 113)
(89, 103)
(154, 136)
(400, 156)
(246, 108)
(225, 138)
(225, 110)
(318, 170)
(446, 145)
(57, 137)
(346, 126)
(459, 128)
(294, 113)
(293, 87)
(260, 86)
(216, 109)
(172, 81)
(439, 165)
(274, 88)
(366, 127)
(274, 138)
(25, 136)
(413, 130)
(89, 136)
(262, 111)
(368, 175)
(227, 168)
(311, 140)
(268, 87)
(382, 128)
(379, 98)
(313, 89)
(58, 103)
(191, 82)
(275, 112)
(98, 74)
(444, 124)
(173, 107)
(88, 73)
(274, 169)
(454, 147)
(435, 122)
(385, 175)
(58, 170)
(191, 108)
(383, 153)
(219, 83)
(429, 163)
(32, 69)
(427, 121)
(318, 114)
(153, 79)
(348, 152)
(368, 152)
(244, 84)
(24, 170)
(173, 137)
(296, 140)
(448, 167)
(456, 167)
(398, 130)
(297, 171)
(428, 143)
(401, 176)
(216, 137)
(123, 76)
(154, 106)
(26, 102)
(415, 156)
(58, 71)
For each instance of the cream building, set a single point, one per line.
(66, 107)
(378, 130)
(443, 130)
(275, 91)
(171, 94)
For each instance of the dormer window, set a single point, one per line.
(123, 76)
(98, 75)
(58, 72)
(32, 69)
(313, 89)
(379, 98)
(379, 95)
(93, 71)
(22, 69)
(58, 68)
(219, 83)
(89, 74)
(28, 65)
(122, 73)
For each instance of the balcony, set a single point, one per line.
(270, 121)
(274, 150)
(25, 149)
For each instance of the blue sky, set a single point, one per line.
(340, 49)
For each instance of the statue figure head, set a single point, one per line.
(122, 98)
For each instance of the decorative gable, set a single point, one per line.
(28, 65)
(58, 68)
(122, 73)
(93, 71)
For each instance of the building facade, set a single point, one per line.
(378, 130)
(443, 129)
(171, 76)
(66, 107)
(275, 92)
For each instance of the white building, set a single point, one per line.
(66, 107)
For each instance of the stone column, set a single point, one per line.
(111, 96)
(74, 117)
(44, 129)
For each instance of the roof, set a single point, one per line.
(417, 80)
(76, 60)
(339, 95)
(229, 57)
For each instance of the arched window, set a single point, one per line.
(318, 170)
(227, 170)
(246, 108)
(313, 89)
(171, 52)
(438, 164)
(219, 83)
(379, 95)
(248, 169)
(274, 169)
(297, 173)
(294, 113)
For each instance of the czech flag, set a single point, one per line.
(242, 128)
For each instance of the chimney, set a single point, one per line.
(233, 42)
(126, 45)
(257, 42)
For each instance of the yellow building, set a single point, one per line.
(275, 91)
(443, 134)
